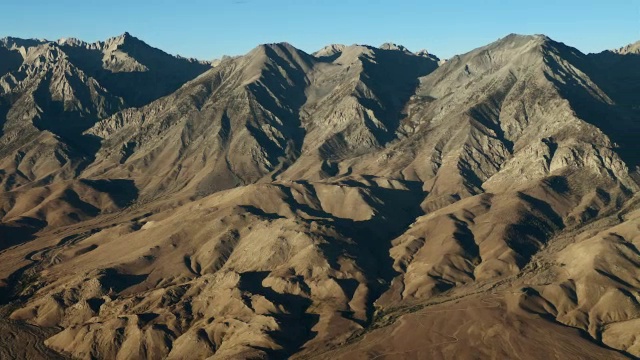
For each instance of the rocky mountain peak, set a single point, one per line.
(427, 54)
(14, 42)
(395, 47)
(126, 36)
(71, 42)
(123, 41)
(633, 48)
(282, 52)
(330, 50)
(278, 46)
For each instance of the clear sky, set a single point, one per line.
(209, 29)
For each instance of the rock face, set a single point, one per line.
(629, 49)
(50, 93)
(353, 202)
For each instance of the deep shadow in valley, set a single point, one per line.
(295, 323)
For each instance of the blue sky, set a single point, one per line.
(209, 29)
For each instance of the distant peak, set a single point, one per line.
(519, 40)
(71, 41)
(393, 46)
(124, 36)
(216, 62)
(534, 37)
(279, 47)
(10, 41)
(275, 45)
(127, 36)
(282, 50)
(330, 50)
(122, 39)
(427, 54)
(338, 47)
(628, 49)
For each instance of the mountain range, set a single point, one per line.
(357, 202)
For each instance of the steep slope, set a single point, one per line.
(354, 106)
(229, 127)
(50, 92)
(253, 117)
(481, 116)
(515, 123)
(617, 73)
(329, 51)
(73, 84)
(478, 125)
(131, 69)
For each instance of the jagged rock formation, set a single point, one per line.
(358, 201)
(272, 110)
(427, 54)
(329, 50)
(629, 49)
(396, 47)
(50, 93)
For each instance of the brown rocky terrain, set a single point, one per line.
(356, 202)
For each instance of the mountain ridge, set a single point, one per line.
(286, 204)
